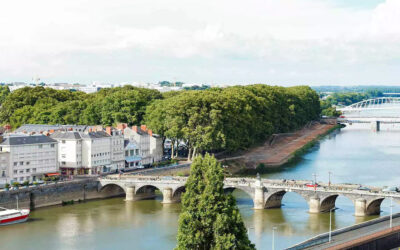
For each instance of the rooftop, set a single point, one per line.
(26, 140)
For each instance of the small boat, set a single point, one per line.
(13, 216)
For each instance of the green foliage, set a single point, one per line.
(210, 218)
(231, 118)
(48, 106)
(7, 186)
(16, 184)
(4, 92)
(25, 183)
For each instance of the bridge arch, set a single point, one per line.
(373, 207)
(177, 194)
(147, 191)
(273, 198)
(111, 190)
(247, 190)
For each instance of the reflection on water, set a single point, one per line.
(359, 156)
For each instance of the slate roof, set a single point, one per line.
(66, 135)
(26, 140)
(71, 135)
(37, 128)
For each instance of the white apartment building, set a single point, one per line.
(29, 157)
(117, 148)
(90, 152)
(150, 145)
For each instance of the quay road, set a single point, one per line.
(266, 193)
(374, 234)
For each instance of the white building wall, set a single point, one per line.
(31, 161)
(70, 153)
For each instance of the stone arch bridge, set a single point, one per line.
(266, 193)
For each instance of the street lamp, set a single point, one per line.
(273, 238)
(315, 181)
(329, 173)
(391, 211)
(330, 224)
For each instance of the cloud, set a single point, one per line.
(300, 41)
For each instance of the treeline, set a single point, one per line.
(231, 118)
(358, 89)
(207, 120)
(108, 106)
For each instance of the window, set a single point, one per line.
(28, 170)
(27, 163)
(21, 163)
(21, 178)
(132, 152)
(40, 146)
(126, 153)
(52, 145)
(21, 171)
(15, 163)
(34, 170)
(15, 171)
(34, 178)
(63, 141)
(63, 156)
(3, 174)
(63, 163)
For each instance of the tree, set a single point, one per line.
(210, 218)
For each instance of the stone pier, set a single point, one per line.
(167, 196)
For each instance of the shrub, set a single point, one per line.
(7, 185)
(25, 183)
(15, 184)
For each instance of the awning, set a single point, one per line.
(52, 174)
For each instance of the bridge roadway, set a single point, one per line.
(373, 234)
(266, 193)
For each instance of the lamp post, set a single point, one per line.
(391, 211)
(315, 182)
(329, 173)
(273, 238)
(330, 224)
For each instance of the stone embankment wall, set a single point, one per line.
(56, 194)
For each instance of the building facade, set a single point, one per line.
(28, 158)
(90, 152)
(150, 144)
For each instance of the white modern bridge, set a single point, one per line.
(266, 193)
(374, 111)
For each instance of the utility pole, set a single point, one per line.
(273, 238)
(330, 224)
(315, 181)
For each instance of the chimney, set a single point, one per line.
(121, 126)
(108, 130)
(134, 128)
(90, 130)
(150, 132)
(143, 127)
(51, 131)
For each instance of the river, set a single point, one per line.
(353, 155)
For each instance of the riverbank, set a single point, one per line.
(278, 150)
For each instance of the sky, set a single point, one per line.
(285, 42)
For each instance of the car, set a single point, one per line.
(363, 188)
(312, 185)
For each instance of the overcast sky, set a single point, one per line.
(283, 42)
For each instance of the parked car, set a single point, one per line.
(363, 188)
(312, 185)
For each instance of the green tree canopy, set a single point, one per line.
(210, 219)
